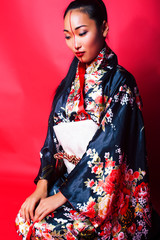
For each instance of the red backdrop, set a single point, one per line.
(34, 59)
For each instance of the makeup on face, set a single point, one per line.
(82, 36)
(78, 54)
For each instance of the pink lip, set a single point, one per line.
(79, 54)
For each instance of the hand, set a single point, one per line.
(48, 205)
(28, 207)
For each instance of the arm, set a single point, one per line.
(48, 173)
(111, 180)
(46, 155)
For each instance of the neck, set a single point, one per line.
(104, 44)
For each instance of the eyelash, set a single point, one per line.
(67, 37)
(80, 34)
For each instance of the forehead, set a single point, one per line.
(76, 18)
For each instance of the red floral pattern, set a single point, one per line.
(94, 99)
(121, 199)
(117, 203)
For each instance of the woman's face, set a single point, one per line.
(82, 35)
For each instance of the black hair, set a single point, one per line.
(95, 9)
(66, 82)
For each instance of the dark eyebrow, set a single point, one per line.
(65, 30)
(80, 26)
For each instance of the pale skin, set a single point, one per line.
(82, 35)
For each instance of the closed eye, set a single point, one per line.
(67, 37)
(82, 34)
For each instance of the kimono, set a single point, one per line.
(107, 188)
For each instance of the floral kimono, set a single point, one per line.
(95, 155)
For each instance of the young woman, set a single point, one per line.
(93, 179)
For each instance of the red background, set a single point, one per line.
(34, 59)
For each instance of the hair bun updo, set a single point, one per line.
(95, 9)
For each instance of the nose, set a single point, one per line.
(77, 44)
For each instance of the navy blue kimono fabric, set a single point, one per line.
(109, 186)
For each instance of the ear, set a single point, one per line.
(105, 29)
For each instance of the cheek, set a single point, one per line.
(91, 41)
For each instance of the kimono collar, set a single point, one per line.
(85, 85)
(97, 67)
(105, 60)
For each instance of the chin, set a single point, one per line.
(85, 61)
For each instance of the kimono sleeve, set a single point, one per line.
(46, 154)
(110, 183)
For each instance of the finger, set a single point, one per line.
(43, 215)
(37, 215)
(27, 216)
(39, 211)
(23, 213)
(22, 210)
(31, 212)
